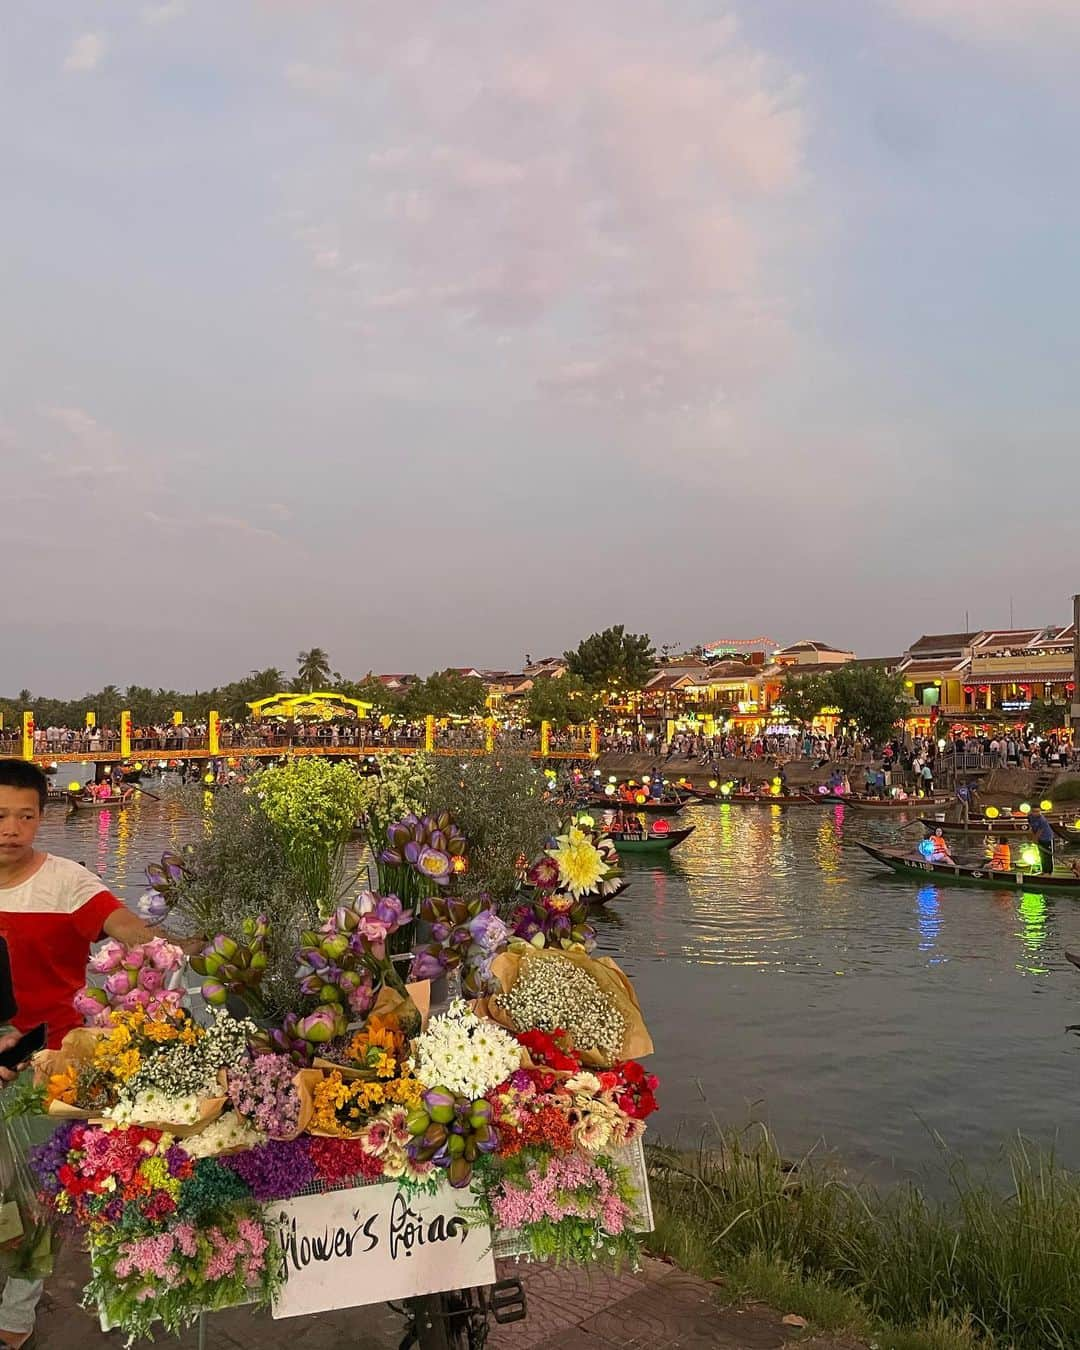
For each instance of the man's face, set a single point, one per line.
(20, 816)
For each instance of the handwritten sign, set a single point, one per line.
(342, 1249)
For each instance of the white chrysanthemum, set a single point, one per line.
(464, 1054)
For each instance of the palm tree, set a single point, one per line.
(313, 668)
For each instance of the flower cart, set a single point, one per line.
(322, 1137)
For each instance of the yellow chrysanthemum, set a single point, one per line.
(581, 868)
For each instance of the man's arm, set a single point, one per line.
(129, 929)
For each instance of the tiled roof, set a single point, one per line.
(942, 642)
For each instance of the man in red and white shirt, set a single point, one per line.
(51, 912)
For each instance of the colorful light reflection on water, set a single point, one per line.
(785, 979)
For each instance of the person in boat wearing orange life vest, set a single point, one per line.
(1000, 855)
(939, 849)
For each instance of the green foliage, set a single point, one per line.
(238, 871)
(564, 701)
(804, 696)
(499, 803)
(613, 659)
(1004, 1267)
(312, 669)
(1046, 717)
(869, 698)
(444, 693)
(313, 807)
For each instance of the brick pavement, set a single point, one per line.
(656, 1308)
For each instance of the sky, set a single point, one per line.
(437, 334)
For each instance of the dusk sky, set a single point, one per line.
(437, 333)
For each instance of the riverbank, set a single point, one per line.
(997, 1269)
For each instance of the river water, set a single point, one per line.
(785, 980)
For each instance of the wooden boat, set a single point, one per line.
(763, 799)
(664, 807)
(884, 805)
(956, 875)
(978, 825)
(1068, 834)
(79, 802)
(650, 843)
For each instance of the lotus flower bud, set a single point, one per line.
(214, 993)
(321, 1026)
(480, 1113)
(439, 1096)
(118, 983)
(224, 946)
(459, 1173)
(417, 1122)
(335, 947)
(435, 1136)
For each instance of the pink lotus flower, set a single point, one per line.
(164, 955)
(135, 998)
(134, 957)
(118, 983)
(108, 959)
(151, 980)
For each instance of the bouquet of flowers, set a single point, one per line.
(589, 999)
(135, 977)
(583, 862)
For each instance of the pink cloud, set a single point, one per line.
(612, 181)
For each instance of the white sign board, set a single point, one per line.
(342, 1249)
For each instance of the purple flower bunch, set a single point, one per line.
(341, 962)
(431, 846)
(464, 933)
(553, 921)
(165, 879)
(135, 977)
(264, 1090)
(46, 1159)
(274, 1171)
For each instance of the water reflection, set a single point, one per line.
(948, 1017)
(1033, 931)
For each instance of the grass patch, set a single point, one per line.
(983, 1267)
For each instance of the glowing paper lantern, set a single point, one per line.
(641, 799)
(926, 848)
(646, 778)
(609, 791)
(1076, 824)
(713, 784)
(209, 778)
(1025, 809)
(661, 827)
(725, 791)
(1029, 856)
(613, 779)
(1046, 806)
(992, 813)
(586, 822)
(74, 787)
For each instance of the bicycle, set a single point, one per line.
(461, 1318)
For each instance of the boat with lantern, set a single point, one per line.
(80, 801)
(956, 874)
(649, 806)
(648, 841)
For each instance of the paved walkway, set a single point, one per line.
(656, 1308)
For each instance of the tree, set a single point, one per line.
(613, 659)
(564, 701)
(868, 698)
(313, 669)
(804, 696)
(444, 693)
(1046, 717)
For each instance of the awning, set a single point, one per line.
(1022, 677)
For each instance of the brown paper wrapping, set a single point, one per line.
(77, 1047)
(636, 1039)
